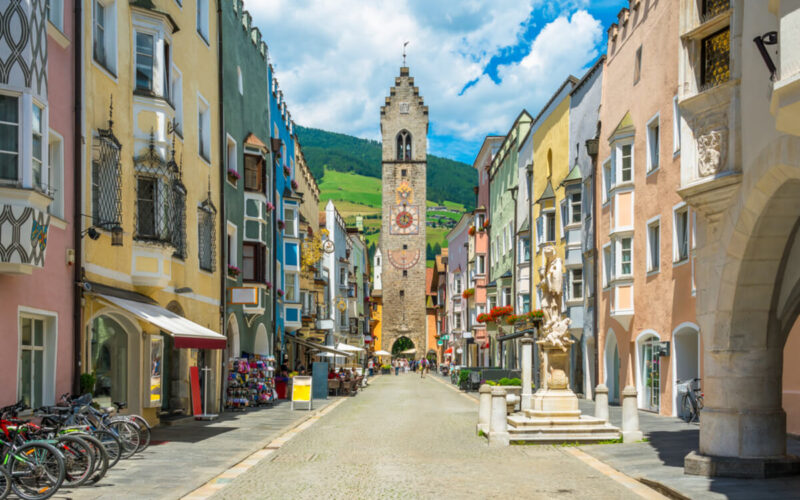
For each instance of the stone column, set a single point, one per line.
(527, 372)
(630, 416)
(601, 402)
(498, 426)
(485, 408)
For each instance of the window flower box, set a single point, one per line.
(469, 292)
(233, 271)
(233, 175)
(287, 171)
(471, 231)
(281, 224)
(279, 292)
(294, 185)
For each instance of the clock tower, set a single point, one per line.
(404, 132)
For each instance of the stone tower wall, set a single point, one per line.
(404, 110)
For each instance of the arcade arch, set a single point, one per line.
(611, 366)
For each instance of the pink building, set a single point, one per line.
(36, 211)
(648, 338)
(479, 249)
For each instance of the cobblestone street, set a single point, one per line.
(406, 437)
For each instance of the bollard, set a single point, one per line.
(630, 416)
(527, 373)
(601, 402)
(485, 408)
(498, 425)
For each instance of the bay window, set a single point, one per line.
(145, 61)
(9, 138)
(625, 246)
(38, 144)
(625, 160)
(575, 207)
(575, 284)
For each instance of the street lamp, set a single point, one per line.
(116, 235)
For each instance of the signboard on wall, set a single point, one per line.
(301, 390)
(244, 295)
(155, 371)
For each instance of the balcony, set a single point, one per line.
(785, 105)
(24, 223)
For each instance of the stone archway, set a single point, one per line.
(611, 366)
(685, 360)
(233, 349)
(401, 344)
(261, 345)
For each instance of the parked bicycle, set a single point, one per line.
(691, 399)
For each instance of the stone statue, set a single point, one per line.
(711, 152)
(554, 328)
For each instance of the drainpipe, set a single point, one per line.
(77, 220)
(596, 297)
(223, 224)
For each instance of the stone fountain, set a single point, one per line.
(551, 415)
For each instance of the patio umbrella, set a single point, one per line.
(382, 353)
(408, 351)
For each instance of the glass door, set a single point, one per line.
(651, 372)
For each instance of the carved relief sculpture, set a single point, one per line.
(711, 152)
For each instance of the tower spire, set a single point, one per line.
(404, 53)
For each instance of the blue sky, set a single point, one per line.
(477, 63)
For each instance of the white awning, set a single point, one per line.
(348, 348)
(187, 334)
(313, 345)
(409, 351)
(382, 353)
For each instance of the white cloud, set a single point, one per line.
(335, 61)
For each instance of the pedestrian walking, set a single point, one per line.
(371, 366)
(396, 367)
(422, 365)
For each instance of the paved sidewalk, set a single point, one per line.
(408, 437)
(189, 453)
(660, 459)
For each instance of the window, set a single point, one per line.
(342, 276)
(625, 162)
(681, 251)
(654, 246)
(608, 265)
(457, 321)
(252, 262)
(608, 180)
(481, 264)
(204, 129)
(625, 256)
(403, 172)
(576, 284)
(676, 125)
(405, 273)
(232, 244)
(106, 182)
(202, 19)
(205, 236)
(105, 34)
(55, 13)
(712, 8)
(176, 95)
(253, 173)
(38, 144)
(32, 361)
(145, 61)
(653, 144)
(343, 319)
(404, 145)
(479, 221)
(524, 249)
(290, 221)
(230, 156)
(524, 302)
(146, 203)
(575, 208)
(550, 226)
(9, 138)
(637, 66)
(507, 297)
(457, 286)
(292, 292)
(494, 252)
(715, 58)
(55, 174)
(239, 81)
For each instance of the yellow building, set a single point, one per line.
(150, 183)
(552, 165)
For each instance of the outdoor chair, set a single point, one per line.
(346, 387)
(334, 386)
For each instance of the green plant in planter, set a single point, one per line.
(87, 382)
(491, 382)
(463, 376)
(509, 381)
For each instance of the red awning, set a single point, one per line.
(449, 350)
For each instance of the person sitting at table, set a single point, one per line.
(331, 374)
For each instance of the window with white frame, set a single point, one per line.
(55, 174)
(176, 96)
(457, 285)
(653, 144)
(507, 296)
(575, 283)
(204, 129)
(608, 180)
(55, 13)
(491, 302)
(292, 291)
(564, 217)
(510, 235)
(290, 222)
(9, 138)
(104, 33)
(32, 361)
(524, 302)
(479, 220)
(524, 249)
(202, 19)
(457, 321)
(38, 144)
(625, 249)
(625, 162)
(681, 236)
(145, 61)
(232, 245)
(550, 226)
(575, 206)
(480, 264)
(230, 156)
(654, 246)
(608, 265)
(342, 276)
(637, 66)
(494, 252)
(676, 126)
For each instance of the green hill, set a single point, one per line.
(448, 180)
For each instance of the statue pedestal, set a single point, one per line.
(555, 416)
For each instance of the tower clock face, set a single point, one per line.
(404, 259)
(405, 219)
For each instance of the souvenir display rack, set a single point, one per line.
(251, 382)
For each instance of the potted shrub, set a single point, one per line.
(386, 369)
(233, 271)
(233, 175)
(512, 386)
(463, 379)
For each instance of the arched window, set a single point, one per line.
(404, 145)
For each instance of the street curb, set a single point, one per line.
(662, 488)
(459, 391)
(640, 488)
(220, 481)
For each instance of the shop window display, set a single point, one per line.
(251, 382)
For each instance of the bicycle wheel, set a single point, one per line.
(144, 431)
(37, 471)
(100, 458)
(78, 460)
(128, 434)
(686, 409)
(5, 483)
(112, 445)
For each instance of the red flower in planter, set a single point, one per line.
(471, 231)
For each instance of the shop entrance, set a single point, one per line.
(649, 372)
(611, 366)
(109, 360)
